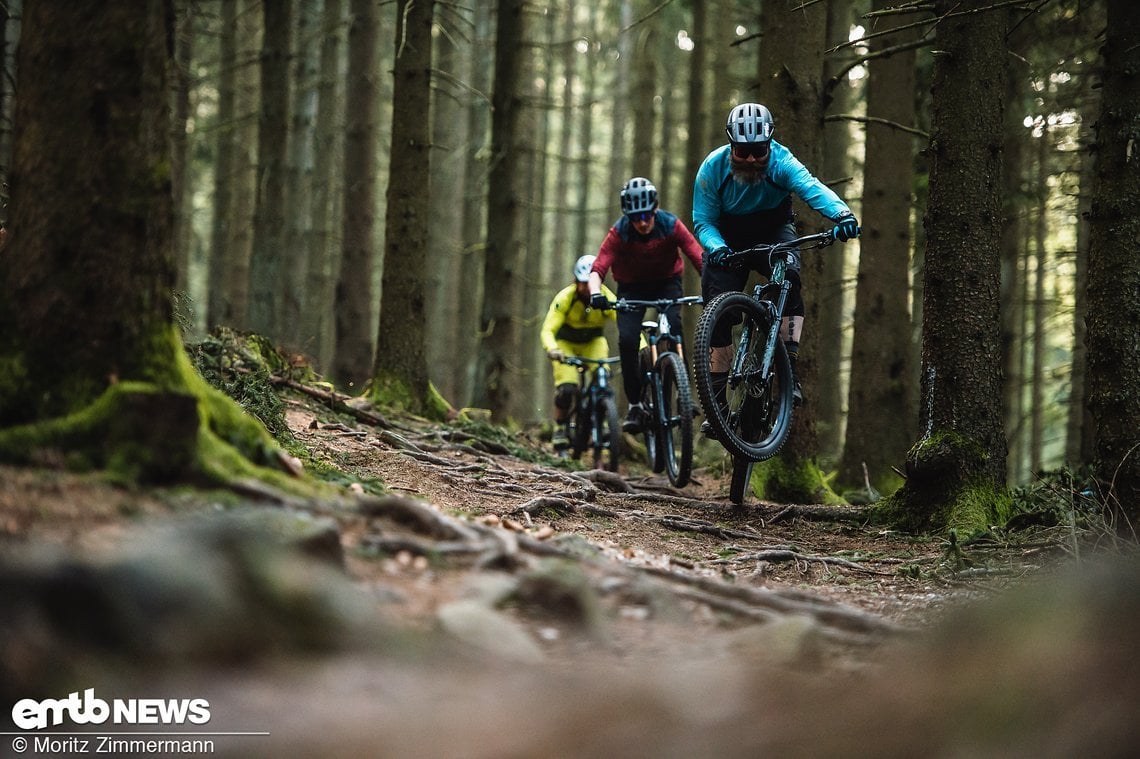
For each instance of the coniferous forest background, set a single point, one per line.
(394, 190)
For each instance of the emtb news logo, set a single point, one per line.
(29, 714)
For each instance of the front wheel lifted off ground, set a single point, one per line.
(751, 414)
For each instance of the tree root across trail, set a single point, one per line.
(625, 530)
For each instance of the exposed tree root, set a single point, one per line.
(781, 553)
(818, 513)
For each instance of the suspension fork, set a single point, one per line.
(775, 311)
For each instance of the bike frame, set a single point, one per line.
(590, 390)
(778, 254)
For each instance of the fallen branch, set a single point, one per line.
(334, 400)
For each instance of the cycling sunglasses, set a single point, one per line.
(751, 149)
(641, 217)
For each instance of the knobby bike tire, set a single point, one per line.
(741, 480)
(580, 440)
(607, 445)
(676, 418)
(755, 421)
(651, 432)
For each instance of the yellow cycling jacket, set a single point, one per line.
(570, 320)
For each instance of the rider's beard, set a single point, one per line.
(748, 172)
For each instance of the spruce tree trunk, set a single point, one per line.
(956, 471)
(879, 427)
(324, 253)
(445, 232)
(299, 217)
(267, 272)
(470, 295)
(498, 372)
(583, 231)
(355, 330)
(1011, 303)
(88, 270)
(400, 372)
(225, 166)
(1114, 271)
(791, 73)
(829, 393)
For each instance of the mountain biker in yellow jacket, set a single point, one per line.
(573, 328)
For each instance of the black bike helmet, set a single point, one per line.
(637, 196)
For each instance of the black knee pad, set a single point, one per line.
(795, 304)
(564, 396)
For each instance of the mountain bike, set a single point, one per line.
(750, 407)
(666, 398)
(594, 424)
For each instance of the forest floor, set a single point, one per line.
(576, 593)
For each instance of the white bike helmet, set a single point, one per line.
(582, 268)
(750, 122)
(638, 195)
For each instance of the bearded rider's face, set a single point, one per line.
(748, 167)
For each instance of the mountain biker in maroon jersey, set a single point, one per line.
(742, 197)
(643, 249)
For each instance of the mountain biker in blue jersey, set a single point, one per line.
(742, 197)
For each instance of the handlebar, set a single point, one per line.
(808, 242)
(586, 362)
(629, 304)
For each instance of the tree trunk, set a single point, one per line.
(583, 231)
(267, 273)
(352, 363)
(400, 374)
(470, 295)
(1014, 199)
(238, 250)
(11, 14)
(89, 269)
(1114, 271)
(324, 250)
(445, 232)
(219, 308)
(180, 164)
(617, 159)
(879, 429)
(93, 362)
(1079, 446)
(1037, 370)
(956, 471)
(791, 72)
(499, 376)
(299, 189)
(646, 115)
(832, 288)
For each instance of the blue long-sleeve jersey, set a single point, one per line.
(716, 192)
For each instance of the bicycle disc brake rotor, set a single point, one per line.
(749, 401)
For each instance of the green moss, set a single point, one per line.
(792, 482)
(947, 488)
(388, 390)
(437, 407)
(13, 383)
(175, 428)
